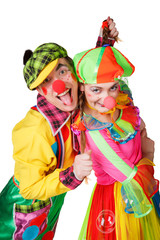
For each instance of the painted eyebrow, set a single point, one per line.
(61, 65)
(102, 87)
(114, 85)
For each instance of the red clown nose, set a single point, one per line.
(58, 86)
(109, 102)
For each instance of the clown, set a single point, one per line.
(46, 161)
(43, 148)
(121, 205)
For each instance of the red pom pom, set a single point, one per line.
(105, 24)
(109, 102)
(58, 86)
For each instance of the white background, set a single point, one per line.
(75, 25)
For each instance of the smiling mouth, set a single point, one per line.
(62, 94)
(66, 97)
(101, 105)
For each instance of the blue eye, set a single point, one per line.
(63, 72)
(114, 87)
(95, 90)
(46, 80)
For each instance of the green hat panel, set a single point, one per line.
(41, 57)
(86, 72)
(124, 63)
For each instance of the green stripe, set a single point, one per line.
(98, 63)
(83, 231)
(110, 154)
(133, 173)
(122, 62)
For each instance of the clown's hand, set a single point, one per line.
(82, 166)
(112, 27)
(113, 33)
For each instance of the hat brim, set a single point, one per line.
(43, 74)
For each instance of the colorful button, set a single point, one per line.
(38, 220)
(30, 233)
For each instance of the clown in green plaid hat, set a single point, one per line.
(43, 149)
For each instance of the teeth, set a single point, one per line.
(62, 94)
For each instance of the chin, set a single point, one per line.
(67, 109)
(103, 110)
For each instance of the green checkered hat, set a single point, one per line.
(41, 63)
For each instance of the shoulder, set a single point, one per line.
(142, 125)
(33, 123)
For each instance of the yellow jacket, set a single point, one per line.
(34, 152)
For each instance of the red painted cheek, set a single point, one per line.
(44, 90)
(89, 95)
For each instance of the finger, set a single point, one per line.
(111, 26)
(82, 156)
(115, 34)
(88, 164)
(108, 19)
(85, 164)
(87, 169)
(87, 156)
(86, 173)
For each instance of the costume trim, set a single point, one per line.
(109, 153)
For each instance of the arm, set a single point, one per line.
(147, 144)
(36, 162)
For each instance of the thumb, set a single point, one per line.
(89, 152)
(108, 19)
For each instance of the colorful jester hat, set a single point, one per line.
(101, 65)
(41, 63)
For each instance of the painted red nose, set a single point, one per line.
(58, 86)
(109, 102)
